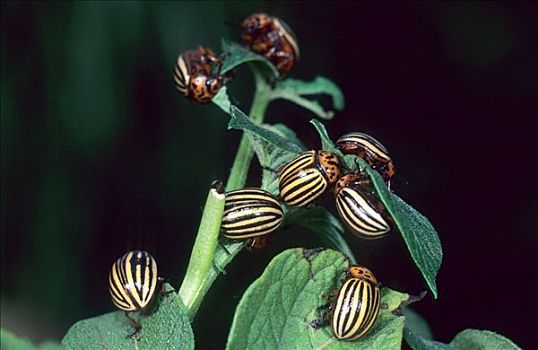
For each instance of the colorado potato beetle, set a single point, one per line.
(359, 208)
(193, 74)
(250, 213)
(272, 38)
(368, 148)
(357, 305)
(306, 177)
(132, 282)
(354, 307)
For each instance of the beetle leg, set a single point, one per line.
(273, 170)
(162, 281)
(257, 243)
(325, 319)
(319, 323)
(224, 247)
(329, 301)
(135, 324)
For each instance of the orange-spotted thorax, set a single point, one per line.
(351, 180)
(330, 165)
(362, 273)
(203, 87)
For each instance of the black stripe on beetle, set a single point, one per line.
(250, 213)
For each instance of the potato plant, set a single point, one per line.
(277, 310)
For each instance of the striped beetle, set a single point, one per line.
(356, 306)
(250, 213)
(372, 151)
(359, 208)
(306, 177)
(132, 283)
(193, 75)
(272, 38)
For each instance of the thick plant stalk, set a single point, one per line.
(208, 259)
(202, 252)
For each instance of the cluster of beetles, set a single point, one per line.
(251, 214)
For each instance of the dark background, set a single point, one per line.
(100, 154)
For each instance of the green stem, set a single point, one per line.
(201, 257)
(209, 259)
(245, 153)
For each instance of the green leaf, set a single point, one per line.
(469, 339)
(323, 223)
(417, 324)
(474, 339)
(222, 100)
(273, 146)
(418, 343)
(276, 310)
(294, 90)
(286, 133)
(236, 55)
(349, 161)
(166, 327)
(326, 142)
(11, 341)
(242, 122)
(272, 156)
(418, 233)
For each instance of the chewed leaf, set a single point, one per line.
(469, 339)
(418, 233)
(324, 224)
(235, 55)
(276, 310)
(318, 86)
(294, 90)
(167, 327)
(222, 100)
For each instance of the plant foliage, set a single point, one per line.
(165, 327)
(276, 310)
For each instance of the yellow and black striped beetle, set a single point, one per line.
(250, 213)
(272, 38)
(356, 307)
(359, 208)
(306, 177)
(132, 283)
(368, 148)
